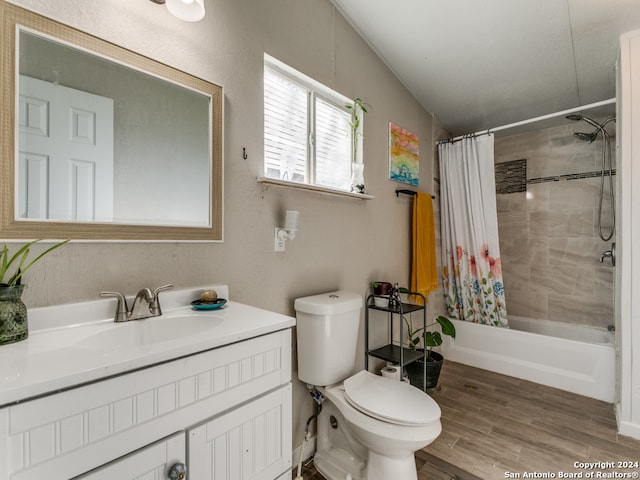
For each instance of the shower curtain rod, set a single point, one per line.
(532, 120)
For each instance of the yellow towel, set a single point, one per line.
(424, 274)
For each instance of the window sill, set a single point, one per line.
(314, 188)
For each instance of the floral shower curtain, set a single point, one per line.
(472, 275)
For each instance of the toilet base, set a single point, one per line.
(378, 468)
(339, 455)
(333, 471)
(383, 468)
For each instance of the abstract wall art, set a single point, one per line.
(404, 155)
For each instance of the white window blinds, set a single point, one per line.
(333, 146)
(307, 136)
(286, 107)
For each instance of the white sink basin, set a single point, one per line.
(138, 333)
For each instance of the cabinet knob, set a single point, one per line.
(178, 471)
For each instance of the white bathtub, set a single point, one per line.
(575, 358)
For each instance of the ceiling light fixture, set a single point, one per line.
(187, 10)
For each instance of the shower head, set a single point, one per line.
(577, 118)
(586, 137)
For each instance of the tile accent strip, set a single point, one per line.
(571, 176)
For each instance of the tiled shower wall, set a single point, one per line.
(549, 243)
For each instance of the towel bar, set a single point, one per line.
(408, 192)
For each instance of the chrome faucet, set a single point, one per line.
(609, 254)
(145, 305)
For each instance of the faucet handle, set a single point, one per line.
(162, 288)
(122, 309)
(154, 306)
(606, 254)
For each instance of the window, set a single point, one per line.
(307, 135)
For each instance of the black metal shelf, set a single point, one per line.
(396, 354)
(391, 353)
(406, 308)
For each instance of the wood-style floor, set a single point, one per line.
(496, 427)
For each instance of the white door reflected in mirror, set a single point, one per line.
(65, 159)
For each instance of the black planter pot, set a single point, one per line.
(415, 371)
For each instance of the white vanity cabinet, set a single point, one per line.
(225, 413)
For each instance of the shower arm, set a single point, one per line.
(593, 123)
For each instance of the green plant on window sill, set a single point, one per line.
(357, 108)
(17, 263)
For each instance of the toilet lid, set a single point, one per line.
(390, 400)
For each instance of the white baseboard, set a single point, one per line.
(628, 429)
(309, 450)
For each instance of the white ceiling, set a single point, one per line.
(482, 64)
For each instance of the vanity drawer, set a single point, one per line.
(152, 462)
(68, 433)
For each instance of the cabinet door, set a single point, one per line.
(250, 442)
(149, 463)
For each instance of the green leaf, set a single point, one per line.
(3, 267)
(18, 273)
(8, 261)
(433, 339)
(23, 253)
(448, 328)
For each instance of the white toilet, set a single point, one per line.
(370, 426)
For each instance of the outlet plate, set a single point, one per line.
(278, 245)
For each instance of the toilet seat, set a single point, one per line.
(390, 400)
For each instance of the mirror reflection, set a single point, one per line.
(99, 141)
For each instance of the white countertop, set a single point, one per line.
(62, 351)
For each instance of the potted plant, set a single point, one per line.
(13, 313)
(430, 339)
(357, 167)
(381, 292)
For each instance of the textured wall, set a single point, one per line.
(342, 243)
(549, 242)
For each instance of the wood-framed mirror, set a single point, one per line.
(100, 143)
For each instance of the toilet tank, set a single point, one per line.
(327, 334)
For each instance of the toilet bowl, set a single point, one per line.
(369, 426)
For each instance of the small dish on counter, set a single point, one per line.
(200, 305)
